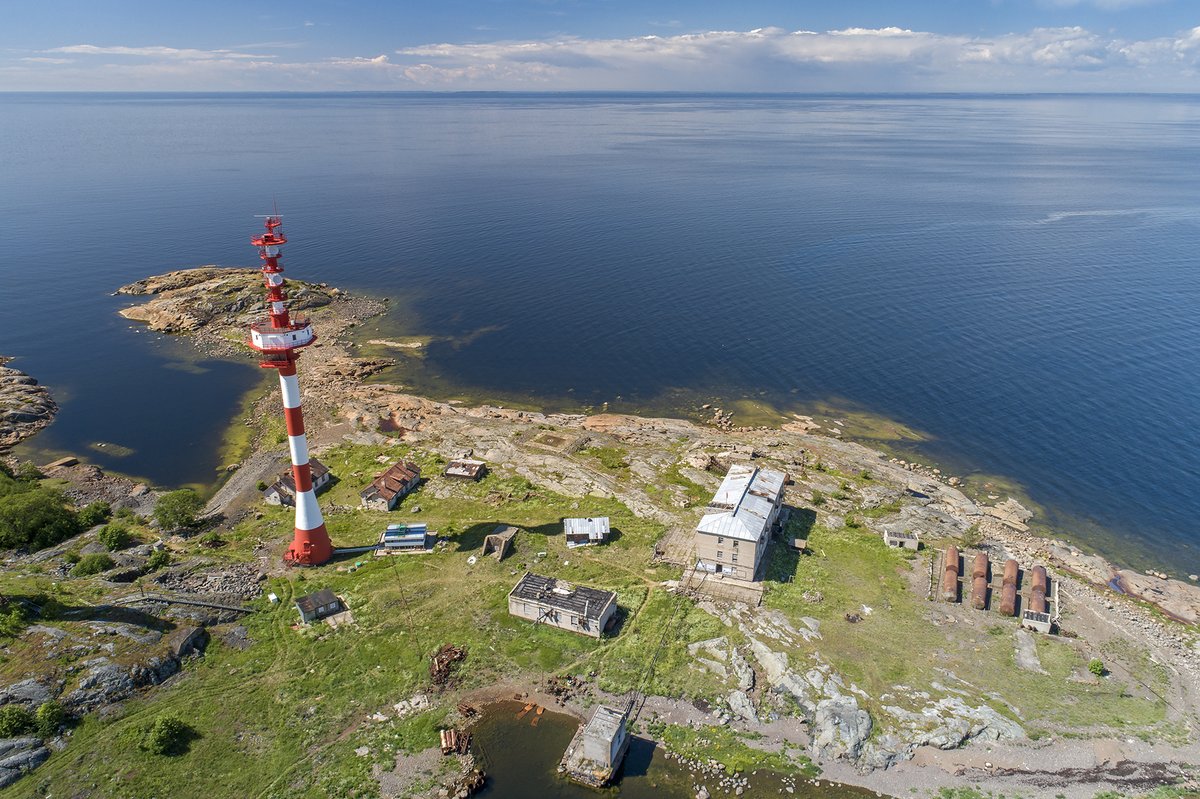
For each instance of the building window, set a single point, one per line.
(735, 543)
(720, 539)
(720, 554)
(735, 557)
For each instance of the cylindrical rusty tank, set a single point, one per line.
(980, 567)
(1008, 598)
(979, 589)
(1011, 569)
(950, 576)
(1038, 577)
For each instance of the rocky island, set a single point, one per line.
(849, 663)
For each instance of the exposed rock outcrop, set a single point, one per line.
(19, 756)
(189, 299)
(25, 406)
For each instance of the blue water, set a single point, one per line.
(1013, 275)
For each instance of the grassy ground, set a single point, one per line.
(907, 642)
(298, 702)
(300, 697)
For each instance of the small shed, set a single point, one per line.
(546, 600)
(901, 540)
(499, 541)
(585, 532)
(283, 490)
(598, 747)
(466, 469)
(390, 486)
(318, 605)
(604, 736)
(398, 538)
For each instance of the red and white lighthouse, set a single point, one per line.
(280, 339)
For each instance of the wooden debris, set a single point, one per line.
(441, 666)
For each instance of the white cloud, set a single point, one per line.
(763, 59)
(1106, 5)
(154, 52)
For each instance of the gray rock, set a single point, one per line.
(27, 692)
(740, 705)
(18, 756)
(840, 727)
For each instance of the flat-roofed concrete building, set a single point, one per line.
(547, 600)
(901, 539)
(732, 537)
(598, 747)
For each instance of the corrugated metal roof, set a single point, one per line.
(743, 503)
(597, 527)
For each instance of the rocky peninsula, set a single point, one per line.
(849, 665)
(25, 406)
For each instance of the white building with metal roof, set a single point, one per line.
(732, 538)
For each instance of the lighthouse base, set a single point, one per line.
(309, 548)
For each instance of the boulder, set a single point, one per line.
(840, 727)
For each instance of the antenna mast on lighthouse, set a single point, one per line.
(280, 339)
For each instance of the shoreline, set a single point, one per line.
(345, 408)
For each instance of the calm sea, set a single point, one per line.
(1014, 275)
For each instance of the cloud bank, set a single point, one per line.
(764, 59)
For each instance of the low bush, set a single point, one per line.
(94, 513)
(15, 720)
(92, 564)
(114, 536)
(168, 735)
(158, 559)
(49, 719)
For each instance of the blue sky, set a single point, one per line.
(531, 45)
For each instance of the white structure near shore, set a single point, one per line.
(732, 539)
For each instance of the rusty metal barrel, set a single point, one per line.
(1011, 569)
(950, 575)
(1008, 599)
(980, 567)
(1037, 595)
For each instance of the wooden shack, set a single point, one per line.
(318, 605)
(546, 600)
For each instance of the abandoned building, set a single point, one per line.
(499, 541)
(598, 747)
(283, 490)
(732, 538)
(901, 539)
(585, 532)
(466, 469)
(390, 486)
(546, 600)
(317, 606)
(399, 538)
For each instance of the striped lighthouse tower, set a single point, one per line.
(280, 339)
